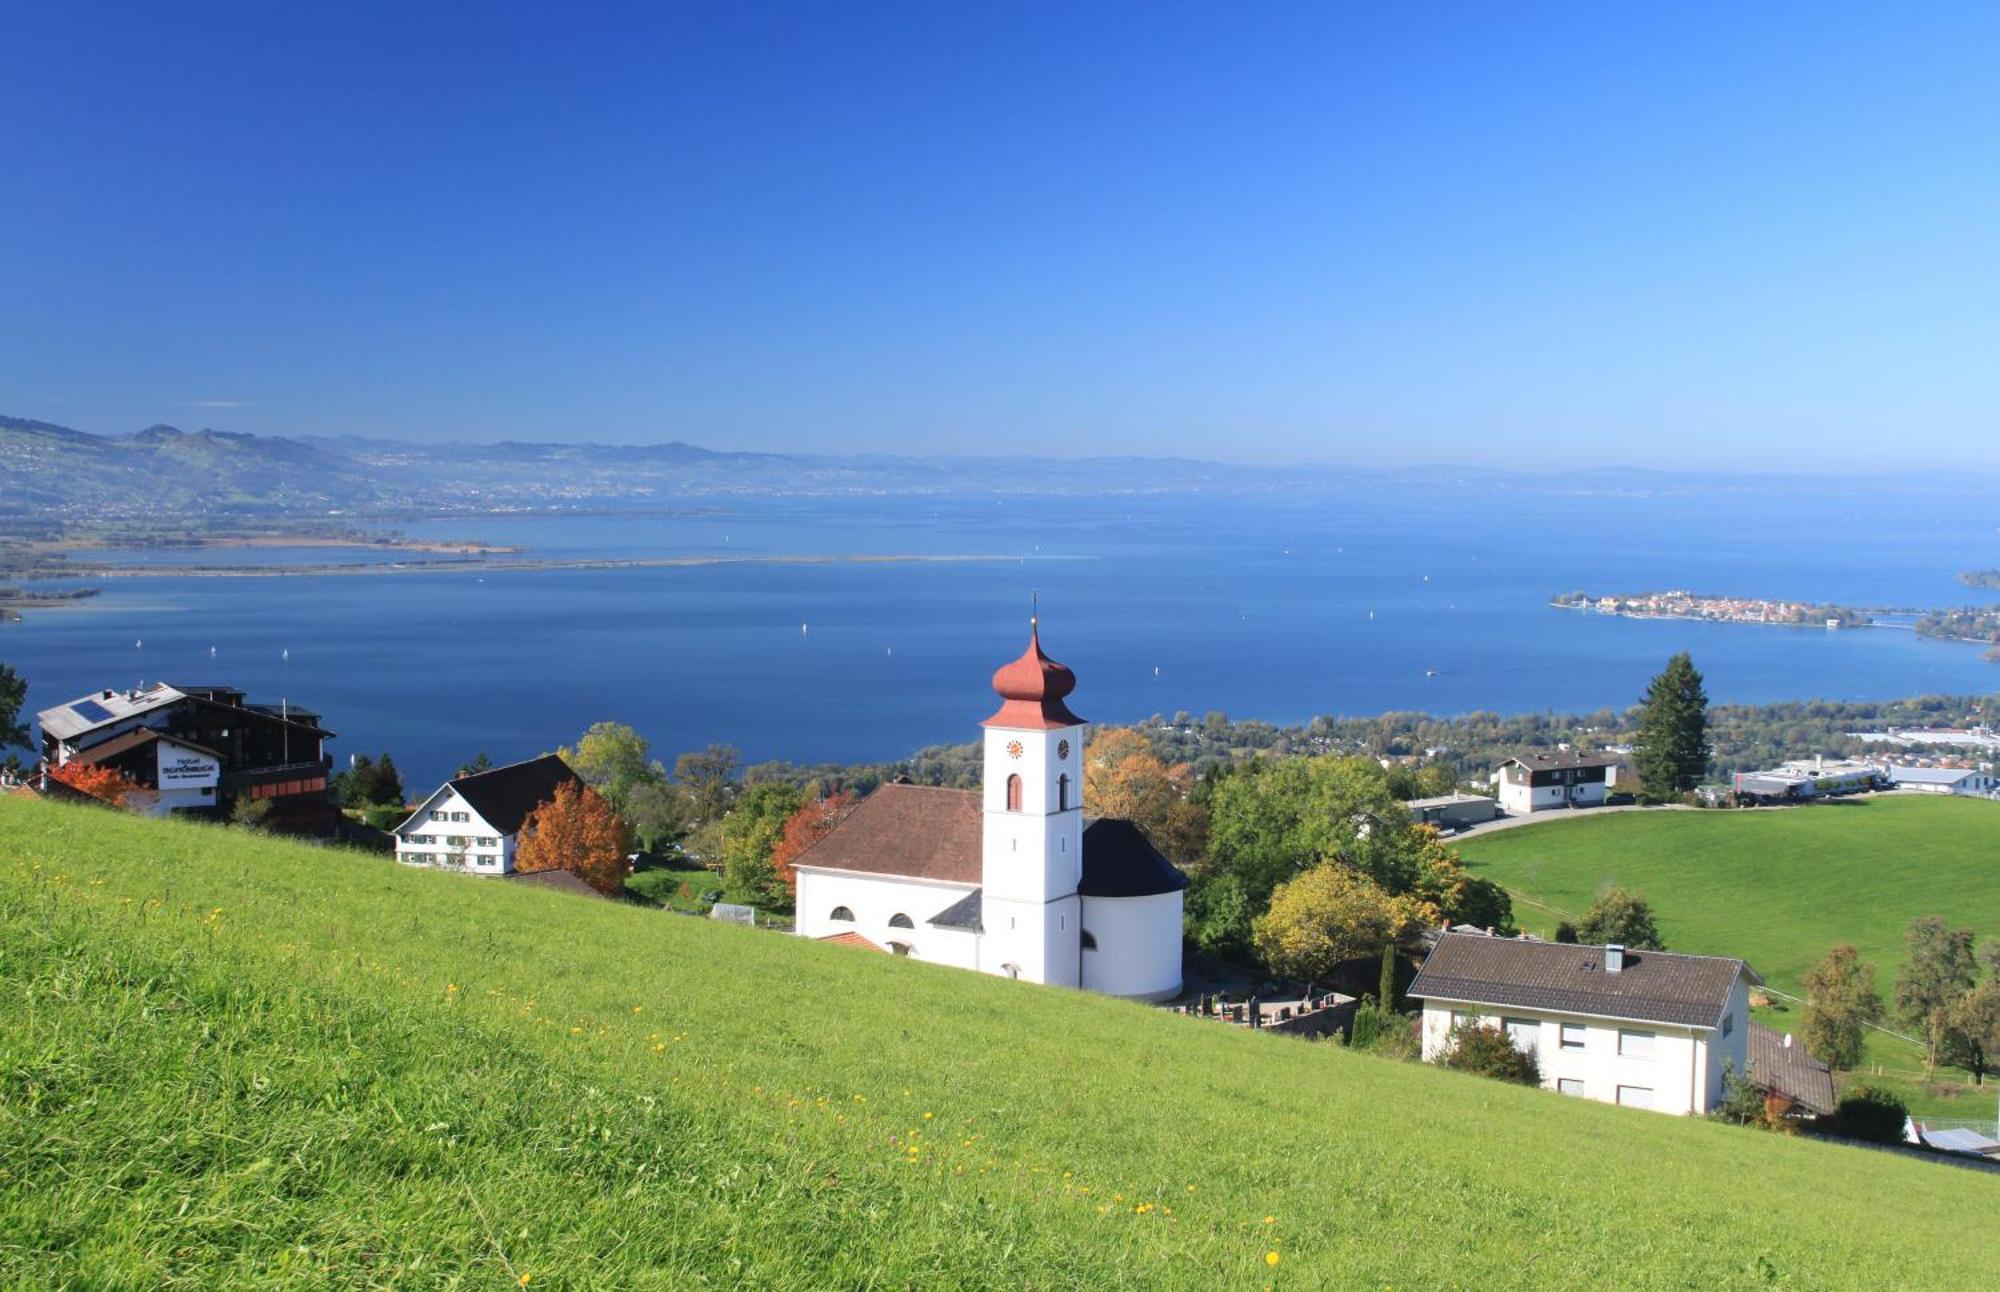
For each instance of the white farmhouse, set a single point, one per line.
(1645, 1029)
(1566, 778)
(1008, 879)
(472, 823)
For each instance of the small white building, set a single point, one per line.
(1008, 879)
(472, 823)
(1543, 781)
(1944, 780)
(1644, 1029)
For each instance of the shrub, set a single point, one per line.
(1872, 1114)
(1490, 1052)
(1566, 932)
(1377, 1030)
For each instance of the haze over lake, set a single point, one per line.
(1354, 602)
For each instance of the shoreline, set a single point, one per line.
(474, 566)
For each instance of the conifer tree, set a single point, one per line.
(1673, 750)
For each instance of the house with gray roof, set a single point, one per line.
(1643, 1029)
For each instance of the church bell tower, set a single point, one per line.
(1032, 845)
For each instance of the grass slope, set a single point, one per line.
(1776, 888)
(226, 1060)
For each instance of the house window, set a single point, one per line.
(1634, 1045)
(1635, 1096)
(1572, 1036)
(1570, 1086)
(1089, 941)
(900, 948)
(842, 913)
(900, 921)
(1525, 1033)
(1729, 1022)
(1014, 793)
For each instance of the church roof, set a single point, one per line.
(853, 940)
(914, 831)
(966, 913)
(1119, 861)
(1032, 688)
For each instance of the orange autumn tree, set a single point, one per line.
(803, 829)
(578, 831)
(105, 784)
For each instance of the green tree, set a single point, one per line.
(1489, 1052)
(1972, 1030)
(13, 694)
(611, 758)
(369, 783)
(1841, 1001)
(749, 832)
(481, 762)
(1672, 751)
(660, 814)
(1938, 968)
(1276, 818)
(709, 776)
(1623, 917)
(1871, 1114)
(1329, 915)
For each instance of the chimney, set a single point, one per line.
(1819, 762)
(1614, 958)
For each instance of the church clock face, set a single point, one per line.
(1062, 749)
(1013, 749)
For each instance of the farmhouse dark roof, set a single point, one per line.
(1119, 861)
(1546, 760)
(915, 831)
(1566, 978)
(966, 913)
(504, 796)
(1789, 1071)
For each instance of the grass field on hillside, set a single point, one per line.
(228, 1060)
(1777, 888)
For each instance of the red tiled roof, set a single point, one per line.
(913, 831)
(1031, 690)
(852, 940)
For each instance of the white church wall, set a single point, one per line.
(875, 900)
(1138, 951)
(1034, 941)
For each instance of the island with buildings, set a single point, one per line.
(1679, 604)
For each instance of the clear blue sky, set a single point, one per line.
(1545, 235)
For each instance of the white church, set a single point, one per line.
(1008, 879)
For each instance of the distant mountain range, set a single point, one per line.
(52, 474)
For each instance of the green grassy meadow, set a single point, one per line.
(1778, 888)
(227, 1060)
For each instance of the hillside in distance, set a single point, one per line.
(235, 1060)
(54, 475)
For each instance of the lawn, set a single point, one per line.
(227, 1060)
(1778, 888)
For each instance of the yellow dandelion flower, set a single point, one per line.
(524, 1280)
(1270, 1258)
(1270, 1220)
(638, 1009)
(927, 1116)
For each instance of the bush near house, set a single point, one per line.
(347, 1073)
(1489, 1052)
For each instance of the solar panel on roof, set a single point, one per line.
(90, 711)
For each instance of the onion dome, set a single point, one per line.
(1032, 688)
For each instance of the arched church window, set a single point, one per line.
(1089, 940)
(900, 948)
(842, 913)
(1012, 971)
(1014, 793)
(1062, 792)
(900, 921)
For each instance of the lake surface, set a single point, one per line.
(1281, 608)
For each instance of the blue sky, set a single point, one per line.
(1546, 236)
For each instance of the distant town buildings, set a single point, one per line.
(1816, 778)
(473, 823)
(1680, 604)
(199, 749)
(1452, 812)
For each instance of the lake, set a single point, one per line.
(1354, 602)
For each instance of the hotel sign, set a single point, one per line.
(186, 769)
